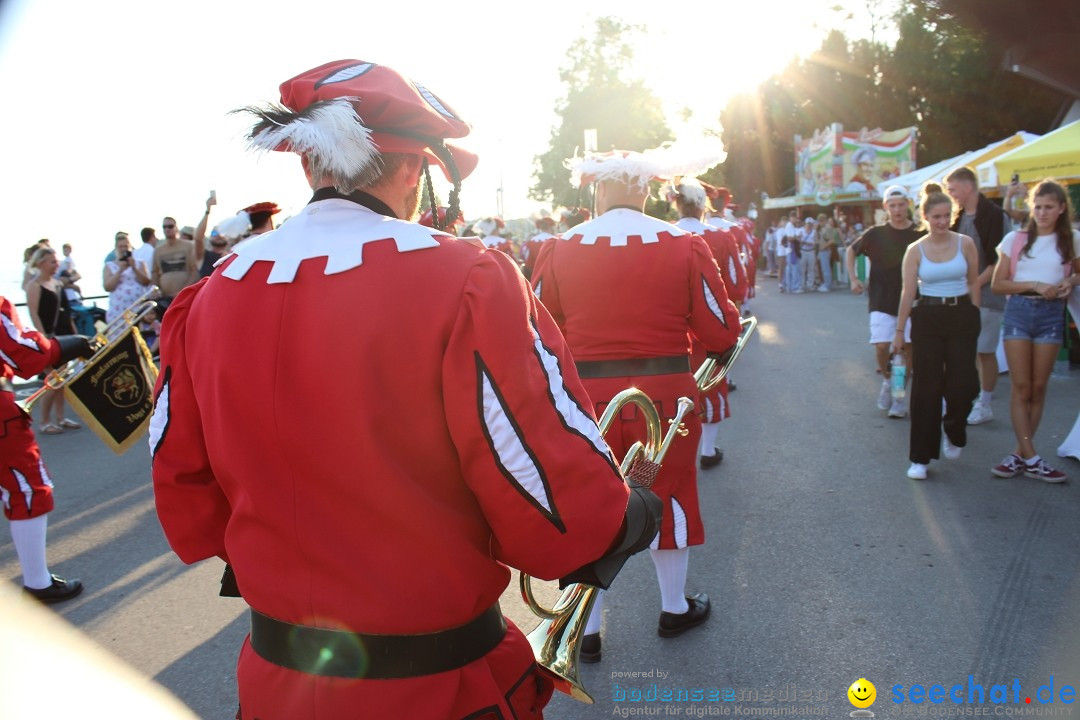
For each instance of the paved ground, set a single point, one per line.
(825, 564)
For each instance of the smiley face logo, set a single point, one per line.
(862, 693)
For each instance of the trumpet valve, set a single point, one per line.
(682, 430)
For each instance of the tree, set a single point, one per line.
(600, 95)
(943, 76)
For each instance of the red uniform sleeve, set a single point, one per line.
(528, 443)
(191, 505)
(23, 351)
(713, 318)
(548, 292)
(726, 251)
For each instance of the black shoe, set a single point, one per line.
(672, 624)
(590, 648)
(731, 386)
(708, 461)
(59, 591)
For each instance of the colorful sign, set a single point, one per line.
(836, 164)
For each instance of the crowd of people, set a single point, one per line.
(945, 290)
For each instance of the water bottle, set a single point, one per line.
(899, 375)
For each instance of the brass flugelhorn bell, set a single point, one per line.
(556, 641)
(708, 375)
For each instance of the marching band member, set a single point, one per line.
(530, 250)
(427, 219)
(25, 485)
(455, 441)
(690, 197)
(627, 290)
(489, 234)
(724, 219)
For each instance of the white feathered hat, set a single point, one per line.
(662, 163)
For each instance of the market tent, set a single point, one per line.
(914, 180)
(1056, 154)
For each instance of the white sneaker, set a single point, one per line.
(917, 471)
(884, 398)
(980, 414)
(823, 288)
(950, 451)
(898, 409)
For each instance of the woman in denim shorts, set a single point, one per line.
(1037, 268)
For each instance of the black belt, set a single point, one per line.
(933, 300)
(633, 366)
(344, 654)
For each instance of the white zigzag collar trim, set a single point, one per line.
(334, 229)
(620, 224)
(693, 225)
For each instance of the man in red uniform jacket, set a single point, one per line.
(369, 420)
(691, 199)
(628, 291)
(25, 485)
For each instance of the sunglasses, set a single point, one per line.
(168, 227)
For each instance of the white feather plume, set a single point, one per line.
(680, 158)
(691, 191)
(332, 134)
(236, 226)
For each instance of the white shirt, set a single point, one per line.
(1044, 265)
(144, 254)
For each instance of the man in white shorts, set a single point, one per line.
(885, 246)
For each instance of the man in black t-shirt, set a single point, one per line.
(885, 246)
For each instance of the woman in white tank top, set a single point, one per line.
(943, 267)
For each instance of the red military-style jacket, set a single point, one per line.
(725, 249)
(25, 485)
(372, 421)
(628, 286)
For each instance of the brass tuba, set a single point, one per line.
(100, 343)
(708, 376)
(556, 641)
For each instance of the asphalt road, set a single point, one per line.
(825, 564)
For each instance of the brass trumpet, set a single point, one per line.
(556, 641)
(59, 377)
(708, 376)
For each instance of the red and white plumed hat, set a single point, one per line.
(343, 115)
(690, 190)
(638, 168)
(263, 207)
(489, 225)
(240, 223)
(543, 219)
(426, 218)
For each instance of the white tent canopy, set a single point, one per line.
(915, 179)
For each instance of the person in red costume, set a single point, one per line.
(628, 291)
(530, 250)
(691, 198)
(723, 218)
(25, 485)
(427, 219)
(370, 513)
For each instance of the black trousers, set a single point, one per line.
(944, 340)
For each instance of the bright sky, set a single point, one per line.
(116, 111)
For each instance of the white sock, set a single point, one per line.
(29, 539)
(597, 615)
(707, 445)
(1031, 460)
(985, 397)
(671, 568)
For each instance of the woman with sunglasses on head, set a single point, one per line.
(943, 266)
(1037, 268)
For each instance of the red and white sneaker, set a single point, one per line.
(1039, 470)
(1010, 467)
